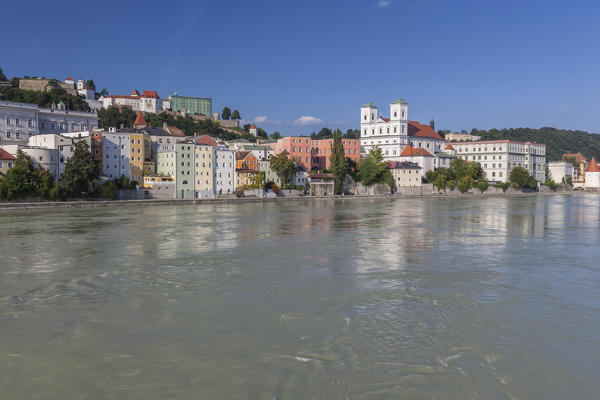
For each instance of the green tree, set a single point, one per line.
(275, 135)
(283, 167)
(81, 171)
(372, 168)
(104, 92)
(520, 179)
(90, 83)
(338, 163)
(3, 77)
(236, 115)
(226, 113)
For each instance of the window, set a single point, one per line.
(7, 120)
(17, 121)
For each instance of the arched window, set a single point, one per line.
(395, 114)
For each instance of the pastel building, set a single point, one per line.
(148, 101)
(560, 170)
(418, 156)
(592, 175)
(224, 171)
(321, 152)
(63, 144)
(582, 163)
(499, 157)
(406, 173)
(315, 154)
(204, 150)
(246, 160)
(7, 161)
(115, 154)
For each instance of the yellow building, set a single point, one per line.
(204, 155)
(140, 156)
(405, 173)
(149, 180)
(245, 177)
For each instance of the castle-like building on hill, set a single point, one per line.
(392, 135)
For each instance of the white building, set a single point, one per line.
(45, 158)
(253, 130)
(148, 101)
(19, 121)
(419, 156)
(115, 154)
(64, 145)
(559, 170)
(592, 175)
(498, 157)
(444, 158)
(393, 134)
(224, 170)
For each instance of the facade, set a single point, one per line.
(149, 181)
(270, 175)
(149, 101)
(579, 170)
(444, 158)
(204, 170)
(392, 135)
(224, 171)
(64, 145)
(406, 173)
(140, 156)
(7, 161)
(177, 161)
(253, 130)
(389, 134)
(499, 157)
(592, 175)
(245, 177)
(115, 153)
(560, 170)
(461, 137)
(314, 154)
(245, 160)
(18, 121)
(419, 156)
(191, 105)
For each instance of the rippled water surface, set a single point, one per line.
(495, 298)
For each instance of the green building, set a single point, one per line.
(192, 105)
(177, 160)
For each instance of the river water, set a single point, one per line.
(453, 298)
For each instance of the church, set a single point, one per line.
(392, 135)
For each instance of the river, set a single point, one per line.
(437, 298)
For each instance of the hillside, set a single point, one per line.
(557, 141)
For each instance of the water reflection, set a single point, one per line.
(424, 298)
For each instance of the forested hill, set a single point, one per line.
(557, 141)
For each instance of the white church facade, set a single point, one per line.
(392, 135)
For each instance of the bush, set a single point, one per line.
(483, 186)
(106, 190)
(502, 185)
(551, 184)
(452, 184)
(463, 186)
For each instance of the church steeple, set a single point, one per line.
(432, 124)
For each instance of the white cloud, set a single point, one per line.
(308, 120)
(260, 120)
(384, 3)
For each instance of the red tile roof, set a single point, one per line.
(139, 119)
(410, 151)
(150, 94)
(135, 93)
(385, 119)
(417, 129)
(5, 155)
(580, 158)
(240, 155)
(449, 147)
(118, 96)
(174, 131)
(593, 167)
(253, 126)
(69, 79)
(206, 140)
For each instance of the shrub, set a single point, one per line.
(483, 186)
(106, 190)
(463, 186)
(502, 185)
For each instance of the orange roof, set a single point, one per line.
(206, 140)
(5, 155)
(593, 167)
(150, 93)
(410, 151)
(417, 129)
(253, 126)
(580, 158)
(449, 147)
(139, 119)
(118, 96)
(385, 119)
(135, 93)
(69, 79)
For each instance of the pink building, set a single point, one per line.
(315, 154)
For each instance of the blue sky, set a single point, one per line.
(296, 66)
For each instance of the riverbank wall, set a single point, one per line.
(41, 205)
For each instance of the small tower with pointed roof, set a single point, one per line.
(140, 122)
(253, 130)
(592, 175)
